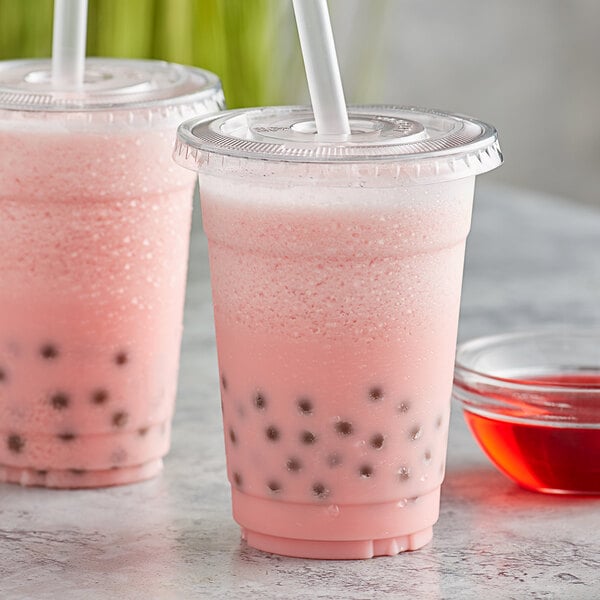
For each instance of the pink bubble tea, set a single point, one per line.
(336, 270)
(94, 229)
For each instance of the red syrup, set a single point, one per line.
(557, 450)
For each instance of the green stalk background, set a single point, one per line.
(246, 42)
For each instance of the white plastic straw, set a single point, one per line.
(322, 69)
(68, 43)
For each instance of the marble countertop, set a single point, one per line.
(530, 260)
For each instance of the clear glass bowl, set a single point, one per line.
(532, 401)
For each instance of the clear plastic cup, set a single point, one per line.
(336, 271)
(94, 230)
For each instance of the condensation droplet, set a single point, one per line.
(402, 503)
(333, 510)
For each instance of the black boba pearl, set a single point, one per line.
(99, 396)
(15, 443)
(3, 375)
(293, 464)
(376, 441)
(67, 436)
(305, 406)
(232, 436)
(320, 491)
(375, 394)
(274, 487)
(60, 401)
(260, 401)
(121, 358)
(308, 438)
(366, 471)
(224, 381)
(49, 351)
(77, 471)
(120, 418)
(344, 428)
(416, 432)
(142, 431)
(237, 479)
(272, 433)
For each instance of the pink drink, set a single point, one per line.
(336, 295)
(94, 229)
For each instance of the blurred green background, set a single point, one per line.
(248, 43)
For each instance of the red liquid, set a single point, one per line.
(544, 457)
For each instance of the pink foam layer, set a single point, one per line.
(70, 479)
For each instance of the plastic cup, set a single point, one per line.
(94, 230)
(336, 271)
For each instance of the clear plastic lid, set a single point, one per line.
(110, 84)
(402, 142)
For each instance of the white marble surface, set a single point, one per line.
(530, 260)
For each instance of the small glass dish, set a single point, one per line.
(532, 401)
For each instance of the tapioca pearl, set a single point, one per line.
(375, 394)
(438, 422)
(366, 471)
(66, 436)
(15, 443)
(403, 407)
(305, 406)
(60, 401)
(308, 438)
(237, 479)
(320, 491)
(142, 431)
(99, 396)
(403, 473)
(260, 402)
(232, 436)
(49, 351)
(272, 433)
(415, 433)
(427, 457)
(41, 472)
(377, 441)
(77, 472)
(293, 465)
(274, 487)
(3, 375)
(121, 358)
(119, 419)
(334, 460)
(344, 428)
(223, 381)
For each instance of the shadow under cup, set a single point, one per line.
(94, 233)
(336, 290)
